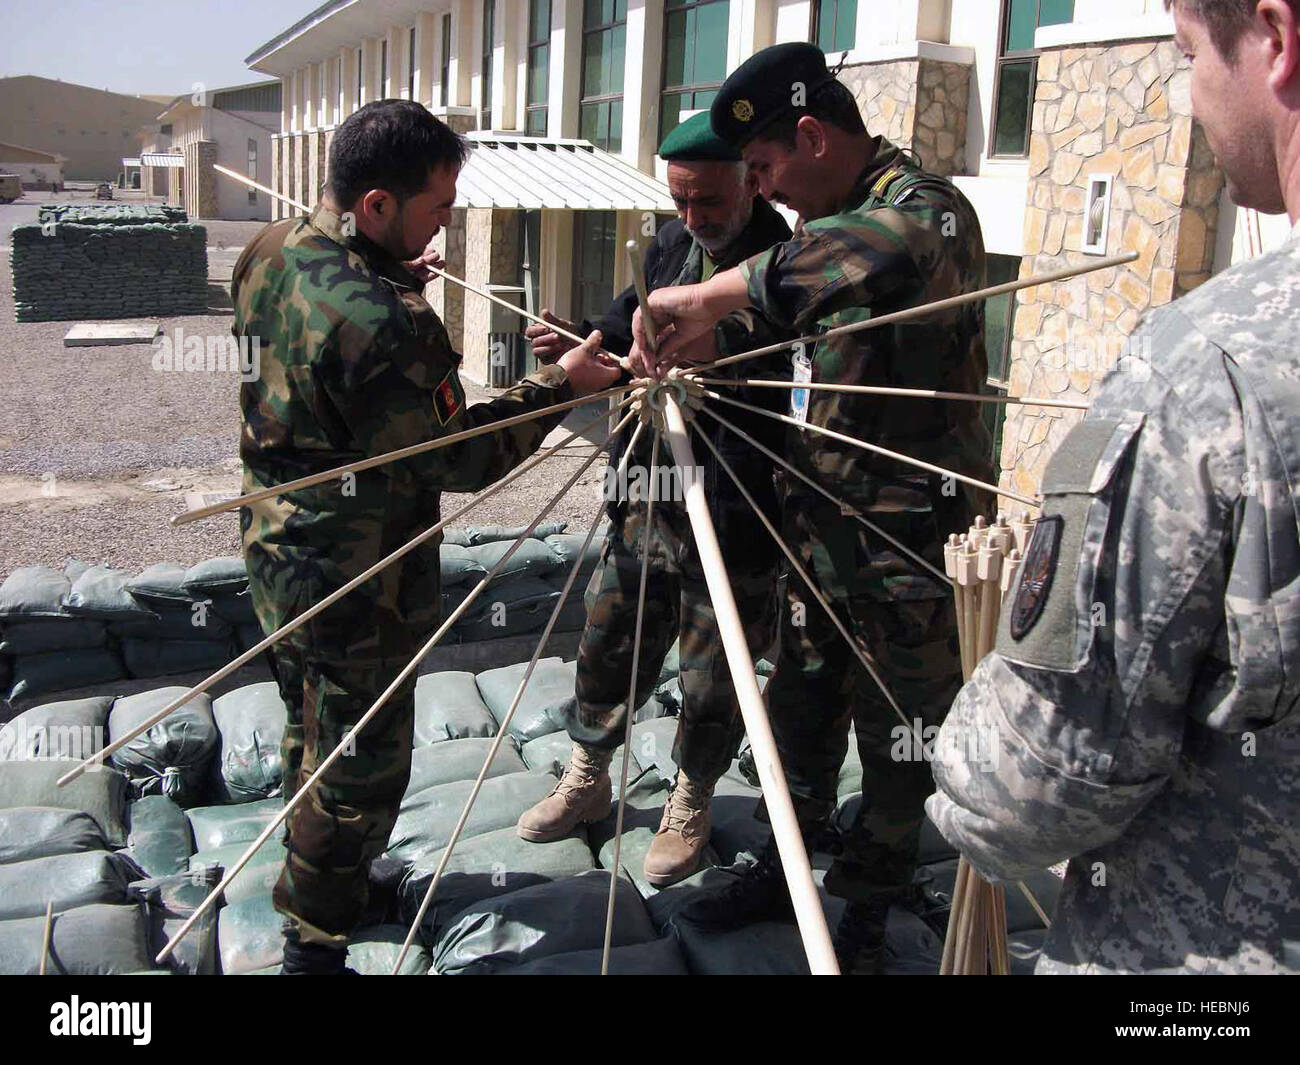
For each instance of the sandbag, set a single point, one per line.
(448, 706)
(172, 758)
(548, 702)
(28, 832)
(551, 753)
(250, 723)
(101, 592)
(101, 792)
(59, 670)
(426, 819)
(373, 951)
(52, 634)
(441, 763)
(483, 867)
(159, 840)
(68, 880)
(34, 592)
(521, 606)
(659, 957)
(541, 921)
(568, 546)
(171, 900)
(184, 622)
(258, 877)
(458, 567)
(162, 582)
(476, 535)
(641, 817)
(236, 609)
(220, 826)
(533, 558)
(249, 936)
(735, 829)
(248, 636)
(214, 576)
(95, 940)
(71, 728)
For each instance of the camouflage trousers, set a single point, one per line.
(677, 606)
(820, 688)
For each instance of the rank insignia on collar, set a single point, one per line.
(448, 398)
(1036, 574)
(742, 110)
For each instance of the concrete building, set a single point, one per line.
(231, 127)
(91, 128)
(1067, 123)
(37, 170)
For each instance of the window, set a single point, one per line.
(539, 66)
(695, 57)
(593, 262)
(489, 34)
(1017, 70)
(445, 86)
(834, 24)
(252, 169)
(410, 65)
(604, 42)
(383, 68)
(360, 55)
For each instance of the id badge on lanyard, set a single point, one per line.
(799, 397)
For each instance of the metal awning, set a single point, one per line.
(531, 173)
(127, 161)
(173, 159)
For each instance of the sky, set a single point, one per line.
(141, 46)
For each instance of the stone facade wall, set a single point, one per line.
(492, 256)
(205, 205)
(1123, 110)
(916, 103)
(448, 300)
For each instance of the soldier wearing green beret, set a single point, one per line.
(877, 234)
(721, 222)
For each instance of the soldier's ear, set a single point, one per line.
(811, 134)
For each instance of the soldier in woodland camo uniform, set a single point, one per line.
(355, 363)
(890, 237)
(1144, 687)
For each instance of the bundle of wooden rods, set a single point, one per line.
(982, 564)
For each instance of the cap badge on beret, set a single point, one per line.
(743, 110)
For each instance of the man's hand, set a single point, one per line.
(587, 371)
(548, 345)
(420, 267)
(683, 314)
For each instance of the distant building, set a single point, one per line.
(36, 169)
(91, 128)
(231, 127)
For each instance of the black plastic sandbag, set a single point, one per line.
(159, 840)
(95, 940)
(441, 763)
(547, 705)
(170, 901)
(55, 671)
(220, 826)
(70, 728)
(659, 957)
(171, 758)
(68, 880)
(250, 936)
(373, 951)
(28, 832)
(33, 592)
(250, 722)
(100, 791)
(43, 635)
(101, 592)
(448, 706)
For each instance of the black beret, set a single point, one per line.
(764, 87)
(695, 141)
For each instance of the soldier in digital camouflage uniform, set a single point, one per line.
(355, 363)
(1144, 686)
(878, 235)
(722, 221)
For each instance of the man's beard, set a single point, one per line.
(716, 243)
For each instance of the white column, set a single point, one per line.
(426, 57)
(465, 32)
(752, 24)
(295, 115)
(642, 76)
(392, 87)
(286, 104)
(348, 81)
(566, 69)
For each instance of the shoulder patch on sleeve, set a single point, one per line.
(448, 397)
(1037, 571)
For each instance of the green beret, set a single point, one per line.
(694, 141)
(764, 87)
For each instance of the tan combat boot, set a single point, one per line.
(583, 794)
(674, 853)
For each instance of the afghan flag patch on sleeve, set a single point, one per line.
(448, 398)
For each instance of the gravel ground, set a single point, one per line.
(98, 450)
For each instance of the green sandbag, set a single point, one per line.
(258, 877)
(215, 576)
(28, 832)
(373, 951)
(52, 634)
(236, 609)
(70, 728)
(96, 940)
(477, 535)
(101, 792)
(169, 902)
(101, 592)
(249, 936)
(159, 840)
(33, 592)
(68, 879)
(171, 758)
(548, 702)
(511, 609)
(188, 622)
(220, 826)
(735, 829)
(532, 559)
(458, 567)
(551, 753)
(540, 921)
(161, 582)
(672, 664)
(641, 818)
(251, 722)
(659, 957)
(441, 763)
(59, 670)
(448, 707)
(427, 817)
(482, 867)
(567, 546)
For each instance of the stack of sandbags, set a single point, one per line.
(185, 634)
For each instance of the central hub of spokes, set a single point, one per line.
(655, 395)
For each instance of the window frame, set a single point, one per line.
(252, 163)
(1004, 58)
(383, 69)
(604, 98)
(814, 23)
(533, 47)
(488, 30)
(361, 64)
(410, 65)
(444, 86)
(666, 90)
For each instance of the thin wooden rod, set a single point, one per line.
(296, 622)
(740, 663)
(382, 460)
(46, 935)
(1029, 896)
(921, 310)
(881, 390)
(502, 729)
(615, 868)
(349, 739)
(896, 456)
